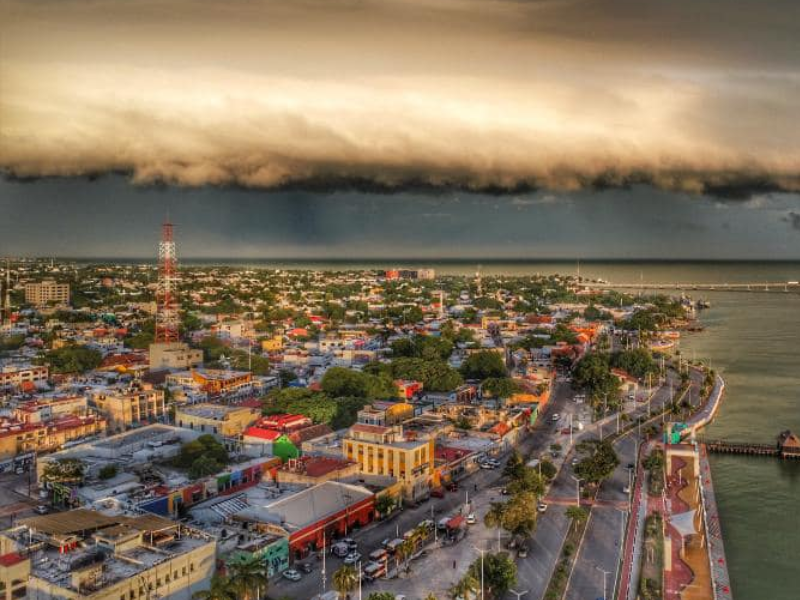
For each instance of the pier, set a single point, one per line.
(756, 286)
(788, 446)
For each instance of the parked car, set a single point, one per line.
(351, 543)
(378, 555)
(555, 418)
(42, 509)
(523, 551)
(428, 524)
(626, 490)
(352, 558)
(306, 567)
(541, 507)
(292, 575)
(504, 491)
(471, 519)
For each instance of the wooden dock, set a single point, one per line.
(724, 447)
(787, 446)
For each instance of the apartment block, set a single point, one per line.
(46, 292)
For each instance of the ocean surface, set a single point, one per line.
(753, 340)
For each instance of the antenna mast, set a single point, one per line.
(167, 290)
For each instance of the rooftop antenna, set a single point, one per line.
(167, 291)
(5, 314)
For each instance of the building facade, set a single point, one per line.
(128, 407)
(46, 292)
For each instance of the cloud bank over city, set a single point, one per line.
(560, 94)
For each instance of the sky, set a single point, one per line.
(313, 128)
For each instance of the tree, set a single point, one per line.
(345, 579)
(483, 365)
(500, 387)
(250, 577)
(339, 381)
(593, 373)
(64, 470)
(514, 464)
(73, 359)
(519, 516)
(527, 480)
(638, 362)
(221, 589)
(108, 472)
(600, 462)
(381, 596)
(466, 586)
(576, 514)
(384, 504)
(548, 470)
(499, 573)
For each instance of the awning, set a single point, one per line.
(684, 523)
(455, 522)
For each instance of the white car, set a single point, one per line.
(541, 507)
(471, 519)
(555, 417)
(352, 558)
(292, 575)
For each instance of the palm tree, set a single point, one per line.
(250, 577)
(576, 514)
(345, 580)
(221, 589)
(430, 596)
(466, 585)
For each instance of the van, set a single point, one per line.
(392, 546)
(374, 571)
(378, 555)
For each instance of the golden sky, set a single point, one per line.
(689, 95)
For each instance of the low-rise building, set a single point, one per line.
(386, 451)
(174, 355)
(131, 406)
(87, 554)
(21, 377)
(18, 437)
(221, 420)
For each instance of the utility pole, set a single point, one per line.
(605, 574)
(518, 594)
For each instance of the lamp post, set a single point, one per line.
(577, 488)
(605, 574)
(482, 552)
(518, 594)
(358, 566)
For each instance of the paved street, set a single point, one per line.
(434, 572)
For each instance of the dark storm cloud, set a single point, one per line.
(405, 95)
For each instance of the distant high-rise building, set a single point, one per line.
(46, 292)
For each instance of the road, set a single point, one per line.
(435, 571)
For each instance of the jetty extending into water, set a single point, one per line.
(787, 446)
(751, 286)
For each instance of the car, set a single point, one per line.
(385, 542)
(428, 524)
(626, 490)
(351, 543)
(523, 551)
(486, 465)
(292, 575)
(471, 519)
(505, 492)
(437, 492)
(556, 417)
(352, 558)
(306, 567)
(541, 507)
(42, 509)
(378, 555)
(575, 461)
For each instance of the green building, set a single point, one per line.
(272, 549)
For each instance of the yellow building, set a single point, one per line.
(385, 413)
(385, 451)
(84, 554)
(125, 407)
(18, 437)
(273, 344)
(217, 419)
(46, 292)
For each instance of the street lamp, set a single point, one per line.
(577, 488)
(482, 552)
(358, 566)
(605, 574)
(518, 594)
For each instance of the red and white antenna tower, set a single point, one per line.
(167, 291)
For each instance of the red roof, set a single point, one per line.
(10, 559)
(450, 454)
(264, 434)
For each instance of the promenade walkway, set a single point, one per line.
(719, 565)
